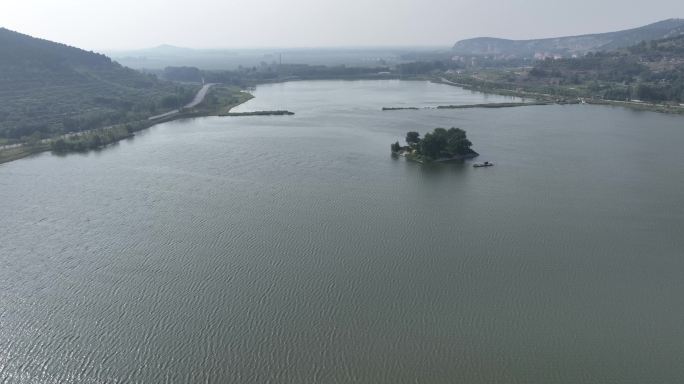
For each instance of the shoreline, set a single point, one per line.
(25, 150)
(552, 99)
(421, 160)
(469, 106)
(257, 113)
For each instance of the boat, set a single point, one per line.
(485, 164)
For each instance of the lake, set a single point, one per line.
(295, 249)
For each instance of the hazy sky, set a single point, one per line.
(122, 24)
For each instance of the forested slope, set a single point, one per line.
(48, 88)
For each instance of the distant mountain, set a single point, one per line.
(160, 57)
(571, 45)
(170, 48)
(160, 50)
(50, 88)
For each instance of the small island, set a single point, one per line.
(440, 145)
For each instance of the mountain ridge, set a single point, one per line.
(569, 46)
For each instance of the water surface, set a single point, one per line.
(294, 249)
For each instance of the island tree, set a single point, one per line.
(440, 144)
(412, 138)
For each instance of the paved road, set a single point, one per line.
(199, 97)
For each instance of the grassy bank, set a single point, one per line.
(16, 153)
(426, 160)
(493, 105)
(467, 106)
(259, 113)
(559, 94)
(92, 139)
(220, 99)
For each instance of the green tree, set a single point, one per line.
(432, 144)
(443, 143)
(170, 101)
(412, 138)
(457, 143)
(59, 145)
(34, 139)
(96, 141)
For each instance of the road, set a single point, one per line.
(199, 97)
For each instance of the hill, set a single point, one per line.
(650, 72)
(48, 88)
(571, 45)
